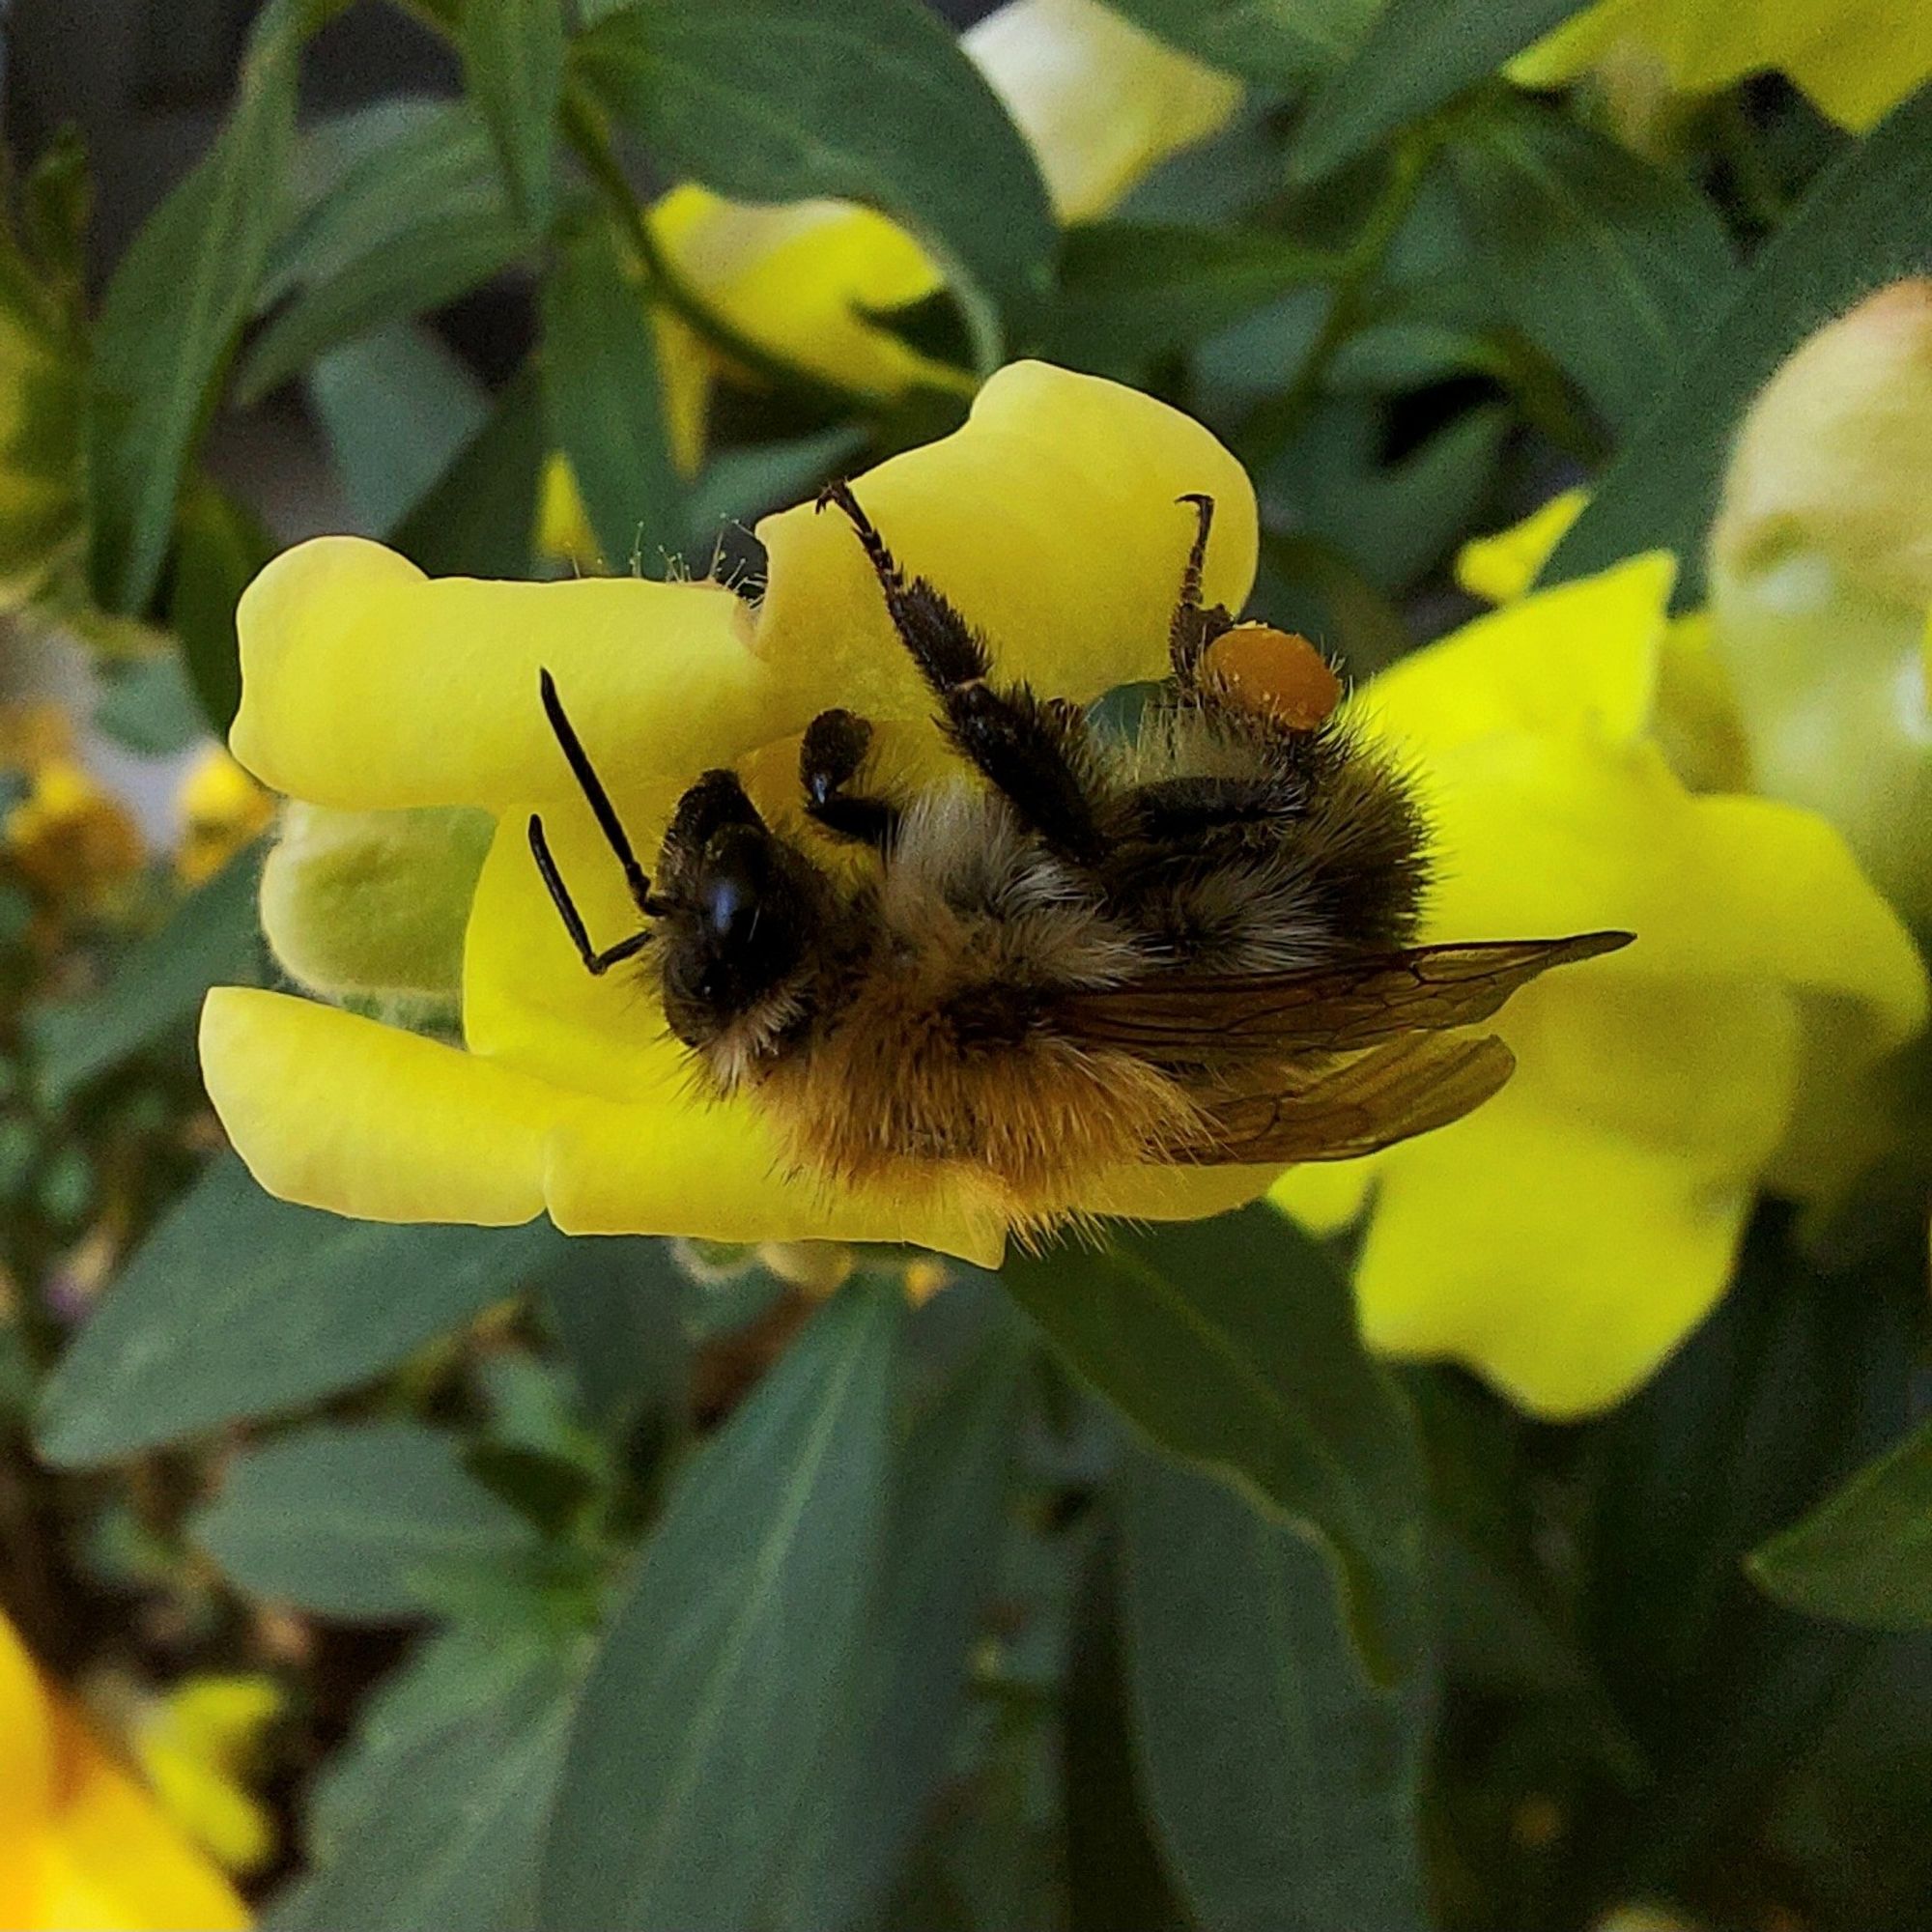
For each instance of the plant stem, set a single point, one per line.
(584, 130)
(1273, 424)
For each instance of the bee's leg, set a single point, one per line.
(830, 759)
(595, 963)
(1032, 750)
(1193, 627)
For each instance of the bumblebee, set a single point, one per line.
(1194, 947)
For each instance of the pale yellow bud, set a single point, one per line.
(1820, 580)
(370, 907)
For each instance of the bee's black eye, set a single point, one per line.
(728, 905)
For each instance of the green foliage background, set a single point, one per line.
(1123, 1589)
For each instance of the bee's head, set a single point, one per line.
(741, 911)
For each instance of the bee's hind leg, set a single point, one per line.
(1194, 626)
(830, 757)
(1031, 748)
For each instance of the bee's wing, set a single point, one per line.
(1324, 1008)
(1365, 1104)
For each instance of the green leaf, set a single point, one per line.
(715, 1691)
(211, 939)
(1231, 1344)
(870, 100)
(1417, 55)
(513, 57)
(373, 176)
(397, 408)
(1132, 290)
(240, 1305)
(479, 517)
(1798, 1376)
(149, 705)
(439, 257)
(174, 310)
(604, 396)
(900, 1709)
(1608, 263)
(435, 1815)
(1284, 1788)
(219, 544)
(1867, 220)
(1865, 1556)
(738, 485)
(1274, 43)
(1115, 1875)
(618, 1307)
(354, 1522)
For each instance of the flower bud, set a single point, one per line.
(1820, 581)
(371, 907)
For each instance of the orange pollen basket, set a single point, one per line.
(1277, 673)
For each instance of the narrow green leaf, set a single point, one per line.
(715, 1691)
(1417, 55)
(618, 1308)
(240, 1305)
(435, 1814)
(1609, 263)
(219, 544)
(1867, 220)
(436, 258)
(397, 408)
(355, 1521)
(1865, 1556)
(370, 177)
(1274, 43)
(211, 939)
(870, 100)
(1231, 1344)
(513, 56)
(174, 310)
(1133, 290)
(900, 1708)
(604, 397)
(479, 517)
(1284, 1788)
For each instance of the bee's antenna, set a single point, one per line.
(1196, 556)
(883, 561)
(595, 963)
(592, 787)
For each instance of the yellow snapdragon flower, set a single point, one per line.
(197, 1745)
(1100, 103)
(223, 808)
(1566, 1236)
(367, 686)
(82, 1844)
(67, 834)
(1854, 58)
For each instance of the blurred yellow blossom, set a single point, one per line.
(66, 833)
(1820, 583)
(82, 1844)
(1566, 1236)
(373, 690)
(199, 1745)
(223, 808)
(1854, 58)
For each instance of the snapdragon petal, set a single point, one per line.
(367, 684)
(1049, 519)
(1854, 58)
(1555, 1258)
(1579, 661)
(711, 1170)
(1099, 102)
(330, 1110)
